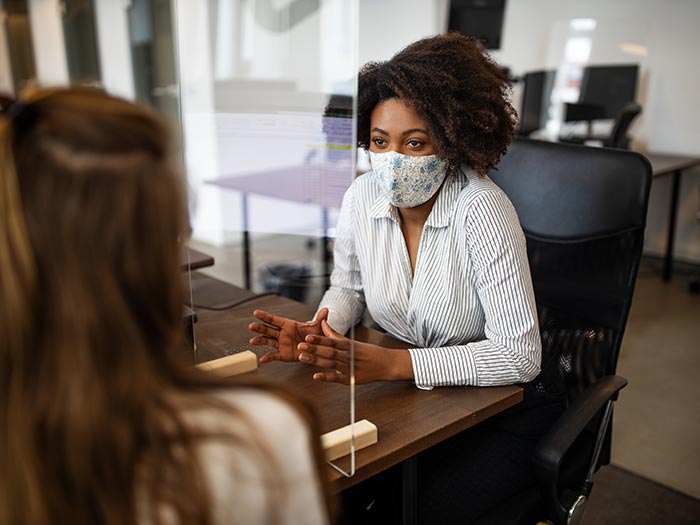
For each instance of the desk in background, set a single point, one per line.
(666, 164)
(195, 260)
(408, 420)
(317, 184)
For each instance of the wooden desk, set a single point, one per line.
(665, 164)
(196, 260)
(408, 420)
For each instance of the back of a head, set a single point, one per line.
(103, 211)
(91, 211)
(93, 424)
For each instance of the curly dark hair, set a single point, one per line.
(452, 83)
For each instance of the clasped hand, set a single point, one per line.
(316, 343)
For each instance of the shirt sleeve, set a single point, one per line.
(511, 351)
(345, 298)
(265, 473)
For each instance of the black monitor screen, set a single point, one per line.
(482, 19)
(537, 89)
(609, 86)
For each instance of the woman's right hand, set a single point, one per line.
(283, 334)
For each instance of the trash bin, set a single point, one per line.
(289, 279)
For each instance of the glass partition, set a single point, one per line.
(267, 95)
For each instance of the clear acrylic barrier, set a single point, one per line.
(267, 102)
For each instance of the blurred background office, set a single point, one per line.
(223, 70)
(129, 47)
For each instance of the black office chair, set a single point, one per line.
(618, 136)
(583, 211)
(588, 112)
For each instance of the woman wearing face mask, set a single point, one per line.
(434, 250)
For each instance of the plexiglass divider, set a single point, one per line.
(268, 122)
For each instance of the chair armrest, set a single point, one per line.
(554, 444)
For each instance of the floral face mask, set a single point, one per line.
(406, 180)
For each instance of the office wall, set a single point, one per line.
(388, 25)
(668, 33)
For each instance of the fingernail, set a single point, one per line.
(304, 357)
(303, 346)
(309, 338)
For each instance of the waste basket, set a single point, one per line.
(289, 279)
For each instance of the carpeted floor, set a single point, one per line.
(621, 498)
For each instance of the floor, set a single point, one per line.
(620, 497)
(656, 429)
(656, 423)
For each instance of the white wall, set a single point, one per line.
(47, 37)
(669, 82)
(386, 26)
(112, 27)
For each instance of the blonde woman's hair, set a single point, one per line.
(91, 210)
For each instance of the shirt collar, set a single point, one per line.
(382, 208)
(441, 214)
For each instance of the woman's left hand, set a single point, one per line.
(372, 362)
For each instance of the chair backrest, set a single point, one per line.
(618, 135)
(583, 211)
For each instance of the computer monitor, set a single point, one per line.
(537, 90)
(482, 19)
(609, 87)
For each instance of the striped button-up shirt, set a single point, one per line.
(468, 309)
